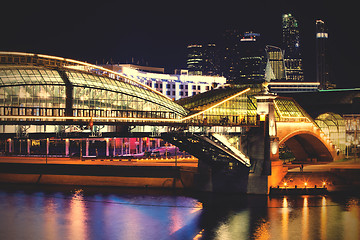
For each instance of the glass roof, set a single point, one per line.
(83, 79)
(287, 108)
(15, 75)
(28, 75)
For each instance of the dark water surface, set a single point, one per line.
(51, 212)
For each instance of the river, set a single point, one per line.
(54, 212)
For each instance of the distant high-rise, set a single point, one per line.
(292, 49)
(322, 56)
(275, 68)
(194, 59)
(211, 61)
(230, 54)
(203, 59)
(252, 60)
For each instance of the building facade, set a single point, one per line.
(292, 48)
(195, 59)
(252, 60)
(203, 59)
(323, 75)
(275, 69)
(174, 86)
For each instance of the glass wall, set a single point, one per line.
(32, 88)
(239, 110)
(97, 92)
(333, 125)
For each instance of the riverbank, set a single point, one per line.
(313, 179)
(153, 173)
(340, 176)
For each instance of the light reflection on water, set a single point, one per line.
(77, 213)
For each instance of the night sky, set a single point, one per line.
(157, 32)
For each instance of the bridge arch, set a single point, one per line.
(308, 145)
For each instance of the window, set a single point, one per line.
(194, 87)
(181, 86)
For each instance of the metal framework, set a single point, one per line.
(333, 125)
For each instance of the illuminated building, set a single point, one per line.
(252, 60)
(275, 74)
(48, 86)
(203, 59)
(174, 86)
(275, 64)
(292, 49)
(322, 56)
(195, 59)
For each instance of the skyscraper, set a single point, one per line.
(203, 59)
(230, 54)
(322, 56)
(194, 59)
(252, 60)
(211, 61)
(292, 48)
(275, 68)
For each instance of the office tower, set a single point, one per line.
(252, 60)
(230, 54)
(194, 59)
(275, 68)
(211, 61)
(322, 56)
(203, 59)
(292, 48)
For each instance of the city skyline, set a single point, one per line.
(159, 33)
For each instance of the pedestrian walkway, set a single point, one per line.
(326, 167)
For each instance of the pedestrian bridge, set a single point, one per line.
(45, 96)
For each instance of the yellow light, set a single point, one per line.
(285, 184)
(215, 105)
(262, 117)
(305, 184)
(324, 183)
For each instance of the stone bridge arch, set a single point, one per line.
(306, 141)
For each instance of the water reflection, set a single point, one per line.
(77, 216)
(112, 214)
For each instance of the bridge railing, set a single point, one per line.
(58, 114)
(36, 115)
(221, 120)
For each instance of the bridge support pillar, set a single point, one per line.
(263, 149)
(221, 178)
